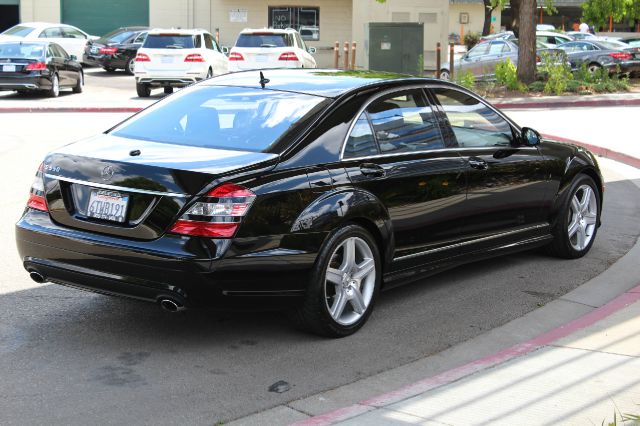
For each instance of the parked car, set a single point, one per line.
(505, 35)
(116, 50)
(545, 27)
(602, 54)
(313, 195)
(577, 35)
(73, 40)
(38, 66)
(270, 48)
(631, 41)
(176, 58)
(551, 38)
(482, 59)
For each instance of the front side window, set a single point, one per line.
(479, 50)
(305, 20)
(473, 123)
(72, 33)
(53, 32)
(208, 41)
(404, 122)
(140, 38)
(222, 117)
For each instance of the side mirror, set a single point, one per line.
(311, 50)
(225, 50)
(530, 137)
(73, 57)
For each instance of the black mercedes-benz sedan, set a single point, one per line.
(38, 66)
(116, 50)
(306, 189)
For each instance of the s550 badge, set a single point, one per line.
(50, 168)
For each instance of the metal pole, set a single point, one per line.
(450, 61)
(346, 55)
(438, 62)
(336, 54)
(353, 55)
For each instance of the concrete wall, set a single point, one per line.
(40, 10)
(435, 14)
(476, 18)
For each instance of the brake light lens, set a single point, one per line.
(108, 50)
(235, 56)
(620, 55)
(194, 57)
(142, 57)
(36, 66)
(36, 194)
(288, 56)
(218, 214)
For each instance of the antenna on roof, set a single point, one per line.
(263, 81)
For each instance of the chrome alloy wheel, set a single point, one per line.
(350, 281)
(583, 216)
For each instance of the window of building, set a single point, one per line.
(306, 20)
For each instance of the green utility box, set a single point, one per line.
(396, 47)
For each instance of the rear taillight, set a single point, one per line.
(36, 195)
(142, 57)
(620, 55)
(235, 56)
(108, 50)
(288, 56)
(218, 214)
(36, 66)
(194, 57)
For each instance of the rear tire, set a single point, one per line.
(577, 222)
(79, 84)
(345, 282)
(209, 74)
(130, 67)
(144, 91)
(593, 68)
(55, 87)
(444, 74)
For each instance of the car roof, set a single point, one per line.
(329, 83)
(269, 30)
(551, 33)
(39, 25)
(181, 31)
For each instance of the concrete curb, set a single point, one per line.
(567, 104)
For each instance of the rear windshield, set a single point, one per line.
(614, 45)
(119, 38)
(221, 117)
(22, 50)
(263, 40)
(168, 41)
(18, 31)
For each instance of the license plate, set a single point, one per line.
(108, 205)
(166, 59)
(95, 50)
(261, 58)
(9, 68)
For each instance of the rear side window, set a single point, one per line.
(168, 41)
(361, 142)
(263, 40)
(53, 32)
(72, 33)
(222, 117)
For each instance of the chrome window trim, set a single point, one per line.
(423, 87)
(466, 243)
(116, 187)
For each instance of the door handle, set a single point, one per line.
(371, 170)
(478, 163)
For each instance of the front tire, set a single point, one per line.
(144, 91)
(577, 223)
(79, 84)
(344, 285)
(444, 74)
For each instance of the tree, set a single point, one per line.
(527, 43)
(489, 7)
(597, 12)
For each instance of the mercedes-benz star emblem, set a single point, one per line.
(107, 173)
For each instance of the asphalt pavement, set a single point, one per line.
(70, 357)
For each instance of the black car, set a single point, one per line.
(610, 55)
(116, 50)
(38, 66)
(306, 189)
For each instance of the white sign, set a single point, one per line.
(238, 15)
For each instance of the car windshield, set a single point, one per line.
(19, 31)
(168, 41)
(221, 117)
(262, 40)
(22, 50)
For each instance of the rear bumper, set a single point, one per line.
(195, 272)
(26, 82)
(105, 61)
(167, 81)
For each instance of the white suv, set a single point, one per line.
(177, 58)
(270, 48)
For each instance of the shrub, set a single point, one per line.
(507, 75)
(537, 86)
(556, 72)
(471, 39)
(466, 80)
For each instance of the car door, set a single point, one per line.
(507, 185)
(307, 59)
(59, 62)
(498, 51)
(396, 153)
(579, 52)
(471, 61)
(219, 60)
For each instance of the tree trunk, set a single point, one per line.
(515, 17)
(527, 44)
(486, 28)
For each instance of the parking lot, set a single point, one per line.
(73, 357)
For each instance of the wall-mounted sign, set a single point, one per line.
(238, 15)
(464, 18)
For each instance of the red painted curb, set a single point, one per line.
(484, 363)
(22, 110)
(567, 104)
(601, 151)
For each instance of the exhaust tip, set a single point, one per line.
(171, 305)
(37, 277)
